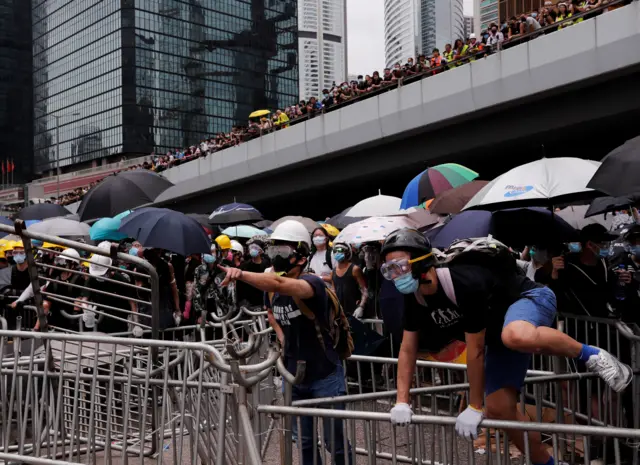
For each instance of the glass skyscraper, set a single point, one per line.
(16, 108)
(135, 76)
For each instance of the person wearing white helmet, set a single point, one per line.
(237, 252)
(288, 290)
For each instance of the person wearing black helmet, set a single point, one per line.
(504, 316)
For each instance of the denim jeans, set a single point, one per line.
(332, 385)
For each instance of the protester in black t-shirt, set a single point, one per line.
(505, 318)
(257, 264)
(286, 291)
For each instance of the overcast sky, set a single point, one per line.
(365, 28)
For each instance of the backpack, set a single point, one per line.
(339, 329)
(485, 251)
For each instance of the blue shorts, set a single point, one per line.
(505, 368)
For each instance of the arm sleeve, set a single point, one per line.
(26, 294)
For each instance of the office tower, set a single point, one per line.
(128, 77)
(322, 45)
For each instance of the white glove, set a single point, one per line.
(137, 331)
(467, 423)
(401, 414)
(88, 316)
(177, 318)
(358, 312)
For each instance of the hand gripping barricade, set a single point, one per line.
(71, 393)
(603, 430)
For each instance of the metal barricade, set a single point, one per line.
(97, 398)
(371, 434)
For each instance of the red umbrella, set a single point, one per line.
(454, 200)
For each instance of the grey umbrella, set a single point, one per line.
(61, 227)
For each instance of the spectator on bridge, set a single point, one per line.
(515, 29)
(387, 78)
(437, 61)
(313, 107)
(376, 81)
(409, 67)
(460, 50)
(327, 98)
(529, 24)
(397, 73)
(562, 14)
(282, 120)
(448, 54)
(495, 37)
(422, 65)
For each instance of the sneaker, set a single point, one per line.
(616, 374)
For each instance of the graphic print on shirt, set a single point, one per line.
(283, 315)
(445, 318)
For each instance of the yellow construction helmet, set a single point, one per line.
(223, 241)
(49, 245)
(13, 244)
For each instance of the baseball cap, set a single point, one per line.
(596, 233)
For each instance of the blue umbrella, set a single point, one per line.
(514, 227)
(6, 221)
(107, 228)
(235, 213)
(166, 229)
(243, 231)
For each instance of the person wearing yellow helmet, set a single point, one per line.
(224, 249)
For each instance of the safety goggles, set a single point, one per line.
(255, 248)
(284, 251)
(341, 249)
(394, 268)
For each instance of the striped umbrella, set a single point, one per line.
(434, 181)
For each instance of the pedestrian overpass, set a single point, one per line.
(520, 92)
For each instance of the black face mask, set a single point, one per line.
(282, 265)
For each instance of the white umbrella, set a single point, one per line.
(379, 205)
(541, 183)
(377, 228)
(61, 227)
(574, 215)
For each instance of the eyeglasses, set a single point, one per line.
(284, 251)
(394, 268)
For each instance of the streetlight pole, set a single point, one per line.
(57, 117)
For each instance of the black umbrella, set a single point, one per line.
(166, 229)
(341, 220)
(234, 213)
(603, 205)
(200, 218)
(41, 211)
(121, 192)
(620, 170)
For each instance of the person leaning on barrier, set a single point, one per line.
(505, 318)
(289, 292)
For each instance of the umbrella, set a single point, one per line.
(331, 230)
(243, 231)
(6, 221)
(263, 224)
(259, 113)
(200, 218)
(378, 228)
(379, 205)
(514, 227)
(166, 229)
(234, 213)
(454, 200)
(107, 228)
(610, 204)
(545, 182)
(308, 223)
(434, 181)
(576, 217)
(121, 192)
(61, 227)
(41, 211)
(618, 175)
(341, 220)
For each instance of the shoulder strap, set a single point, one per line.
(304, 308)
(444, 277)
(327, 258)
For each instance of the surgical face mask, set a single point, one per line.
(574, 247)
(604, 252)
(319, 240)
(635, 250)
(406, 284)
(339, 257)
(209, 259)
(19, 258)
(230, 256)
(254, 252)
(539, 255)
(133, 251)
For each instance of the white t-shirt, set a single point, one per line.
(319, 265)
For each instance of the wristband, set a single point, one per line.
(476, 409)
